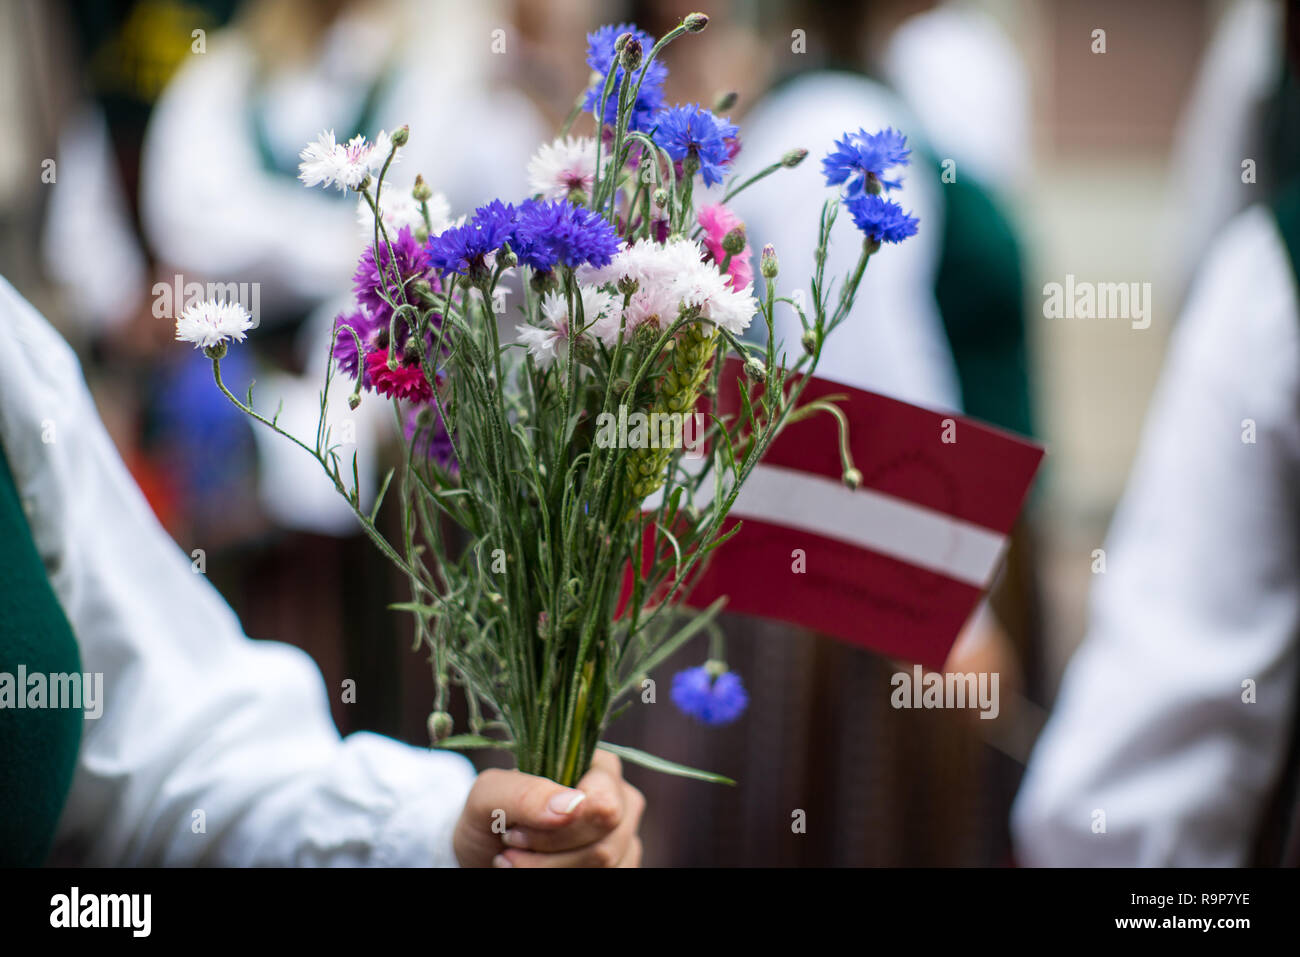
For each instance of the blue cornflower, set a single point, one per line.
(862, 154)
(880, 219)
(461, 249)
(557, 232)
(601, 58)
(713, 701)
(693, 131)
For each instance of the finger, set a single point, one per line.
(516, 799)
(633, 856)
(599, 814)
(610, 851)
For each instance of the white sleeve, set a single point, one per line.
(211, 748)
(1201, 595)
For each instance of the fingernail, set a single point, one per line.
(515, 838)
(501, 861)
(565, 801)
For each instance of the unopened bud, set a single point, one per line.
(809, 342)
(507, 256)
(755, 369)
(852, 478)
(421, 192)
(734, 241)
(630, 57)
(440, 725)
(628, 285)
(401, 135)
(726, 102)
(411, 351)
(794, 157)
(647, 334)
(767, 263)
(364, 184)
(584, 349)
(661, 197)
(354, 400)
(695, 22)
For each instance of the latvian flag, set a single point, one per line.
(897, 565)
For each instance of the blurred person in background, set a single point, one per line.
(1173, 741)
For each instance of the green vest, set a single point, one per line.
(38, 746)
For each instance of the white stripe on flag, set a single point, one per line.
(870, 519)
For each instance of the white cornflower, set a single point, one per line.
(670, 275)
(210, 324)
(545, 342)
(345, 166)
(563, 166)
(400, 209)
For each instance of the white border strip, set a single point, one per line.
(869, 519)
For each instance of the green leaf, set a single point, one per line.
(466, 742)
(662, 765)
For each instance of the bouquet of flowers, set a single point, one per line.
(549, 546)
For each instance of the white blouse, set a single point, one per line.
(1152, 736)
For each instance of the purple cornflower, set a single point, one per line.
(880, 219)
(371, 286)
(462, 249)
(685, 131)
(861, 155)
(712, 700)
(426, 431)
(345, 345)
(601, 57)
(554, 233)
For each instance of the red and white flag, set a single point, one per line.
(897, 565)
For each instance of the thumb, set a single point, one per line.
(525, 799)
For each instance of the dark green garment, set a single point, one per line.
(980, 290)
(38, 746)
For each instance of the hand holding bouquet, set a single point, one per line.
(561, 492)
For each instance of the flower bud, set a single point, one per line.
(401, 135)
(584, 350)
(852, 478)
(695, 22)
(628, 285)
(507, 256)
(755, 369)
(421, 192)
(630, 57)
(794, 157)
(440, 725)
(767, 264)
(725, 103)
(543, 625)
(734, 241)
(809, 342)
(411, 352)
(354, 400)
(647, 334)
(661, 197)
(364, 184)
